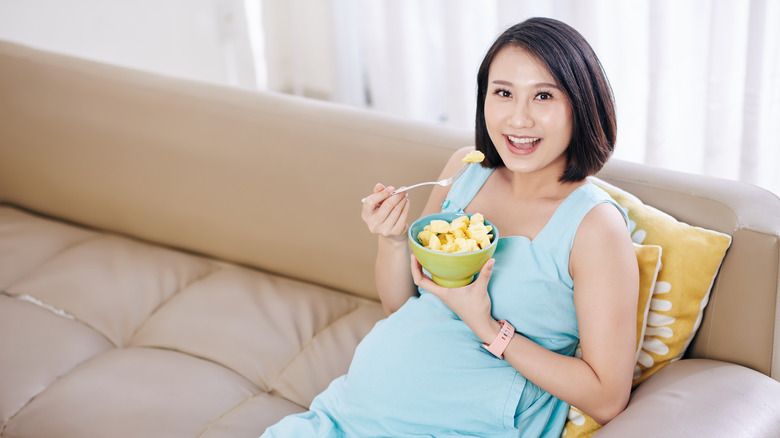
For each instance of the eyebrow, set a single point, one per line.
(539, 85)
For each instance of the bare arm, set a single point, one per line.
(603, 266)
(388, 217)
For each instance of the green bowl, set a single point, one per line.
(450, 269)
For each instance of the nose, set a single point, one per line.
(521, 116)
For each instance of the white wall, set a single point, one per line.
(204, 40)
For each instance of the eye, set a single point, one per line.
(544, 95)
(500, 92)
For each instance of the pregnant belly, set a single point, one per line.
(422, 365)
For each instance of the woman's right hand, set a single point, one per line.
(386, 214)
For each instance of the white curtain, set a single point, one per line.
(697, 82)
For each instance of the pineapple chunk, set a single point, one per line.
(477, 231)
(460, 223)
(434, 243)
(424, 237)
(474, 157)
(458, 233)
(450, 247)
(439, 226)
(467, 245)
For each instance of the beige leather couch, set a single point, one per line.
(184, 260)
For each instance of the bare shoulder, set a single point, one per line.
(604, 221)
(602, 240)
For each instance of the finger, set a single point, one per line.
(375, 200)
(425, 282)
(416, 270)
(397, 217)
(382, 195)
(387, 203)
(400, 225)
(384, 222)
(420, 279)
(486, 272)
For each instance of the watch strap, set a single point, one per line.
(502, 339)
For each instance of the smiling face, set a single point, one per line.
(527, 116)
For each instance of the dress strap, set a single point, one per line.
(574, 208)
(465, 188)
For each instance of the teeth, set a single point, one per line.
(522, 140)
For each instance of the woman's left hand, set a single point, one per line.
(471, 302)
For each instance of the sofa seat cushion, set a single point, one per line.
(38, 347)
(151, 341)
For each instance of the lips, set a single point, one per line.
(522, 145)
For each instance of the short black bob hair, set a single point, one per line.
(577, 71)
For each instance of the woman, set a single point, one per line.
(564, 272)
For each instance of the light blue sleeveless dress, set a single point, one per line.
(422, 372)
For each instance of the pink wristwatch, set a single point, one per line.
(499, 344)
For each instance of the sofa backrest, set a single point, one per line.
(266, 180)
(275, 182)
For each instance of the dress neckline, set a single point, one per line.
(554, 218)
(472, 182)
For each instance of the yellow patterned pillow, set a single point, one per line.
(649, 258)
(691, 259)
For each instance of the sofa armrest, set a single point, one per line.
(701, 397)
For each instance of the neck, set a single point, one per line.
(539, 185)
